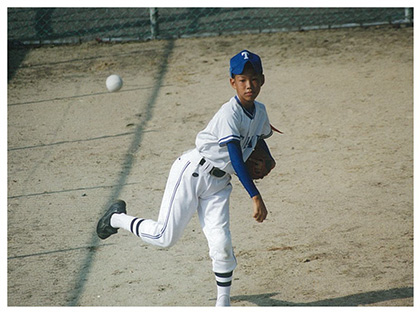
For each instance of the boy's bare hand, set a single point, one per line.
(260, 211)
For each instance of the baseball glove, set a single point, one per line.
(260, 162)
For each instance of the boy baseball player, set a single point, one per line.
(199, 180)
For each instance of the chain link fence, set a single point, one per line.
(28, 26)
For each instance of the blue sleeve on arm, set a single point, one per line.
(238, 164)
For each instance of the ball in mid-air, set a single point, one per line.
(114, 83)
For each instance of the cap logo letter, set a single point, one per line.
(245, 55)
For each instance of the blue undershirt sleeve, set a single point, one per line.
(235, 154)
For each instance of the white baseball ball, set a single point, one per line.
(114, 83)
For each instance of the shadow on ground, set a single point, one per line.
(365, 298)
(15, 56)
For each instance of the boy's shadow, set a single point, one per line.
(351, 300)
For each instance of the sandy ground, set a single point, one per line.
(340, 224)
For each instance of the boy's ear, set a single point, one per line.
(262, 79)
(232, 82)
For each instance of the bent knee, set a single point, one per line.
(166, 244)
(221, 244)
(167, 241)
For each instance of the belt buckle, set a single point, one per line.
(217, 172)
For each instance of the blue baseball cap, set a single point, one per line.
(237, 63)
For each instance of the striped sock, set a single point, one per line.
(135, 225)
(127, 222)
(224, 282)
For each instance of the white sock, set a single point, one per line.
(127, 222)
(224, 282)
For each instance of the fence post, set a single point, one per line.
(408, 15)
(154, 26)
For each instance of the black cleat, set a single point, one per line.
(104, 228)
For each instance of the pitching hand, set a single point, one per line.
(260, 211)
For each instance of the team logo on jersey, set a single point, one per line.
(249, 141)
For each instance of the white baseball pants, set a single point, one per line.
(190, 188)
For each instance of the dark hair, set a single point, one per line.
(248, 65)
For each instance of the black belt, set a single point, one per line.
(217, 172)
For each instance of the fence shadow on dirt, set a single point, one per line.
(365, 298)
(14, 59)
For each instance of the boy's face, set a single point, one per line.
(247, 85)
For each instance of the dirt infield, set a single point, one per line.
(340, 201)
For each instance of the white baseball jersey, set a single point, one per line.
(232, 122)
